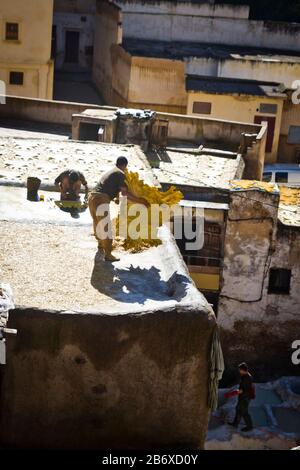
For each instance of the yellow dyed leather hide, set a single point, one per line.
(152, 195)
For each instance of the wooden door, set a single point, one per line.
(271, 129)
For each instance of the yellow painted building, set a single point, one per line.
(239, 100)
(26, 67)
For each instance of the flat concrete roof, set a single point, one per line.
(182, 49)
(45, 158)
(52, 263)
(197, 170)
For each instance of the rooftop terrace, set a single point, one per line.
(51, 260)
(46, 158)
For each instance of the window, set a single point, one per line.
(16, 78)
(279, 281)
(12, 32)
(201, 107)
(267, 108)
(267, 176)
(281, 177)
(294, 135)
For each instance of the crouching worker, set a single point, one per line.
(69, 183)
(110, 185)
(245, 393)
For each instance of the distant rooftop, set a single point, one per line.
(180, 50)
(198, 170)
(233, 86)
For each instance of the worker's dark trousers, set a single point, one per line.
(242, 411)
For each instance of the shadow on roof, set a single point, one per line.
(135, 284)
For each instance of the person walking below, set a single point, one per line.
(245, 393)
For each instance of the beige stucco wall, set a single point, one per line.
(139, 82)
(121, 72)
(142, 82)
(242, 108)
(158, 84)
(38, 80)
(31, 54)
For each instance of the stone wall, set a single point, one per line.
(106, 381)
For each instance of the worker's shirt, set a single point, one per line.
(246, 387)
(64, 177)
(111, 183)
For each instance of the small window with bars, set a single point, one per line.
(16, 78)
(279, 281)
(12, 31)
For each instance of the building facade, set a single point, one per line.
(73, 33)
(144, 51)
(259, 298)
(239, 100)
(26, 66)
